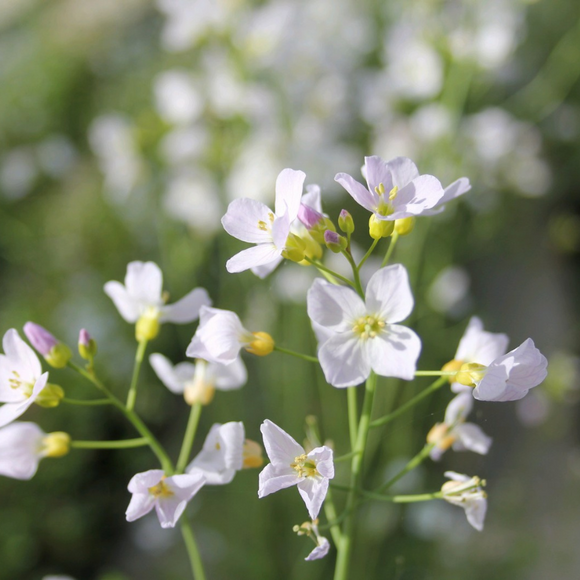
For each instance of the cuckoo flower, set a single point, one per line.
(197, 381)
(466, 492)
(142, 300)
(395, 190)
(168, 495)
(362, 334)
(21, 377)
(291, 465)
(451, 192)
(220, 336)
(251, 221)
(455, 432)
(224, 452)
(23, 445)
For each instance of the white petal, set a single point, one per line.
(477, 345)
(289, 185)
(422, 193)
(21, 356)
(187, 309)
(166, 373)
(334, 307)
(459, 408)
(141, 482)
(242, 221)
(376, 172)
(323, 457)
(127, 306)
(281, 230)
(320, 551)
(11, 411)
(19, 450)
(252, 257)
(394, 353)
(322, 333)
(470, 437)
(144, 282)
(228, 377)
(280, 447)
(344, 361)
(266, 269)
(388, 294)
(271, 480)
(475, 511)
(141, 504)
(312, 198)
(403, 171)
(7, 393)
(358, 191)
(457, 188)
(232, 437)
(313, 491)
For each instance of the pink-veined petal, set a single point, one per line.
(394, 353)
(403, 171)
(376, 172)
(187, 309)
(358, 191)
(388, 294)
(422, 193)
(266, 269)
(344, 360)
(244, 218)
(289, 185)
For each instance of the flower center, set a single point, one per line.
(384, 206)
(17, 383)
(304, 466)
(266, 227)
(161, 489)
(368, 326)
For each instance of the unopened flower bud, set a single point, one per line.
(380, 228)
(309, 216)
(252, 455)
(335, 242)
(56, 353)
(312, 249)
(404, 226)
(56, 444)
(147, 327)
(200, 390)
(87, 345)
(452, 366)
(50, 396)
(470, 374)
(295, 248)
(262, 345)
(345, 222)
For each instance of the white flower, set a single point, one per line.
(142, 300)
(478, 346)
(395, 188)
(363, 334)
(455, 432)
(466, 492)
(197, 381)
(253, 222)
(21, 449)
(451, 192)
(21, 377)
(168, 495)
(511, 376)
(291, 465)
(222, 453)
(322, 545)
(220, 336)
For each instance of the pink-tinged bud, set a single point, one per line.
(335, 242)
(87, 345)
(84, 337)
(345, 222)
(309, 216)
(40, 338)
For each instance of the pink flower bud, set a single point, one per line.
(40, 338)
(84, 337)
(309, 216)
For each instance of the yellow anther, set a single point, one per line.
(380, 189)
(393, 192)
(55, 444)
(304, 466)
(262, 345)
(368, 327)
(161, 489)
(262, 226)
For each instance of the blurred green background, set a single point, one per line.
(127, 127)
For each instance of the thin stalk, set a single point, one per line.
(417, 460)
(394, 240)
(345, 545)
(330, 513)
(367, 255)
(296, 354)
(121, 444)
(345, 457)
(355, 273)
(88, 402)
(435, 373)
(188, 438)
(192, 550)
(352, 416)
(410, 403)
(393, 498)
(132, 395)
(329, 271)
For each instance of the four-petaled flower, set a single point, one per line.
(142, 300)
(362, 335)
(251, 221)
(466, 492)
(291, 465)
(168, 495)
(21, 377)
(455, 432)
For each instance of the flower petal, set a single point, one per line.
(394, 353)
(242, 221)
(289, 185)
(323, 457)
(141, 504)
(475, 510)
(344, 361)
(403, 171)
(270, 480)
(377, 171)
(21, 356)
(144, 282)
(187, 309)
(313, 491)
(479, 346)
(320, 551)
(266, 269)
(458, 408)
(252, 257)
(422, 193)
(470, 437)
(228, 377)
(11, 411)
(312, 198)
(127, 306)
(19, 445)
(280, 447)
(141, 482)
(357, 190)
(166, 373)
(388, 294)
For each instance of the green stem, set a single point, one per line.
(192, 550)
(352, 416)
(88, 402)
(188, 438)
(296, 354)
(394, 239)
(417, 460)
(357, 283)
(329, 271)
(409, 404)
(121, 444)
(330, 513)
(345, 457)
(435, 373)
(369, 252)
(345, 545)
(132, 395)
(393, 498)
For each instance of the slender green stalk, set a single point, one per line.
(367, 255)
(417, 460)
(330, 513)
(345, 457)
(355, 272)
(393, 498)
(435, 373)
(409, 404)
(121, 444)
(132, 395)
(296, 354)
(345, 545)
(192, 551)
(352, 416)
(329, 271)
(188, 438)
(394, 240)
(87, 402)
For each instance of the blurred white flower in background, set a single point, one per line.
(449, 292)
(178, 99)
